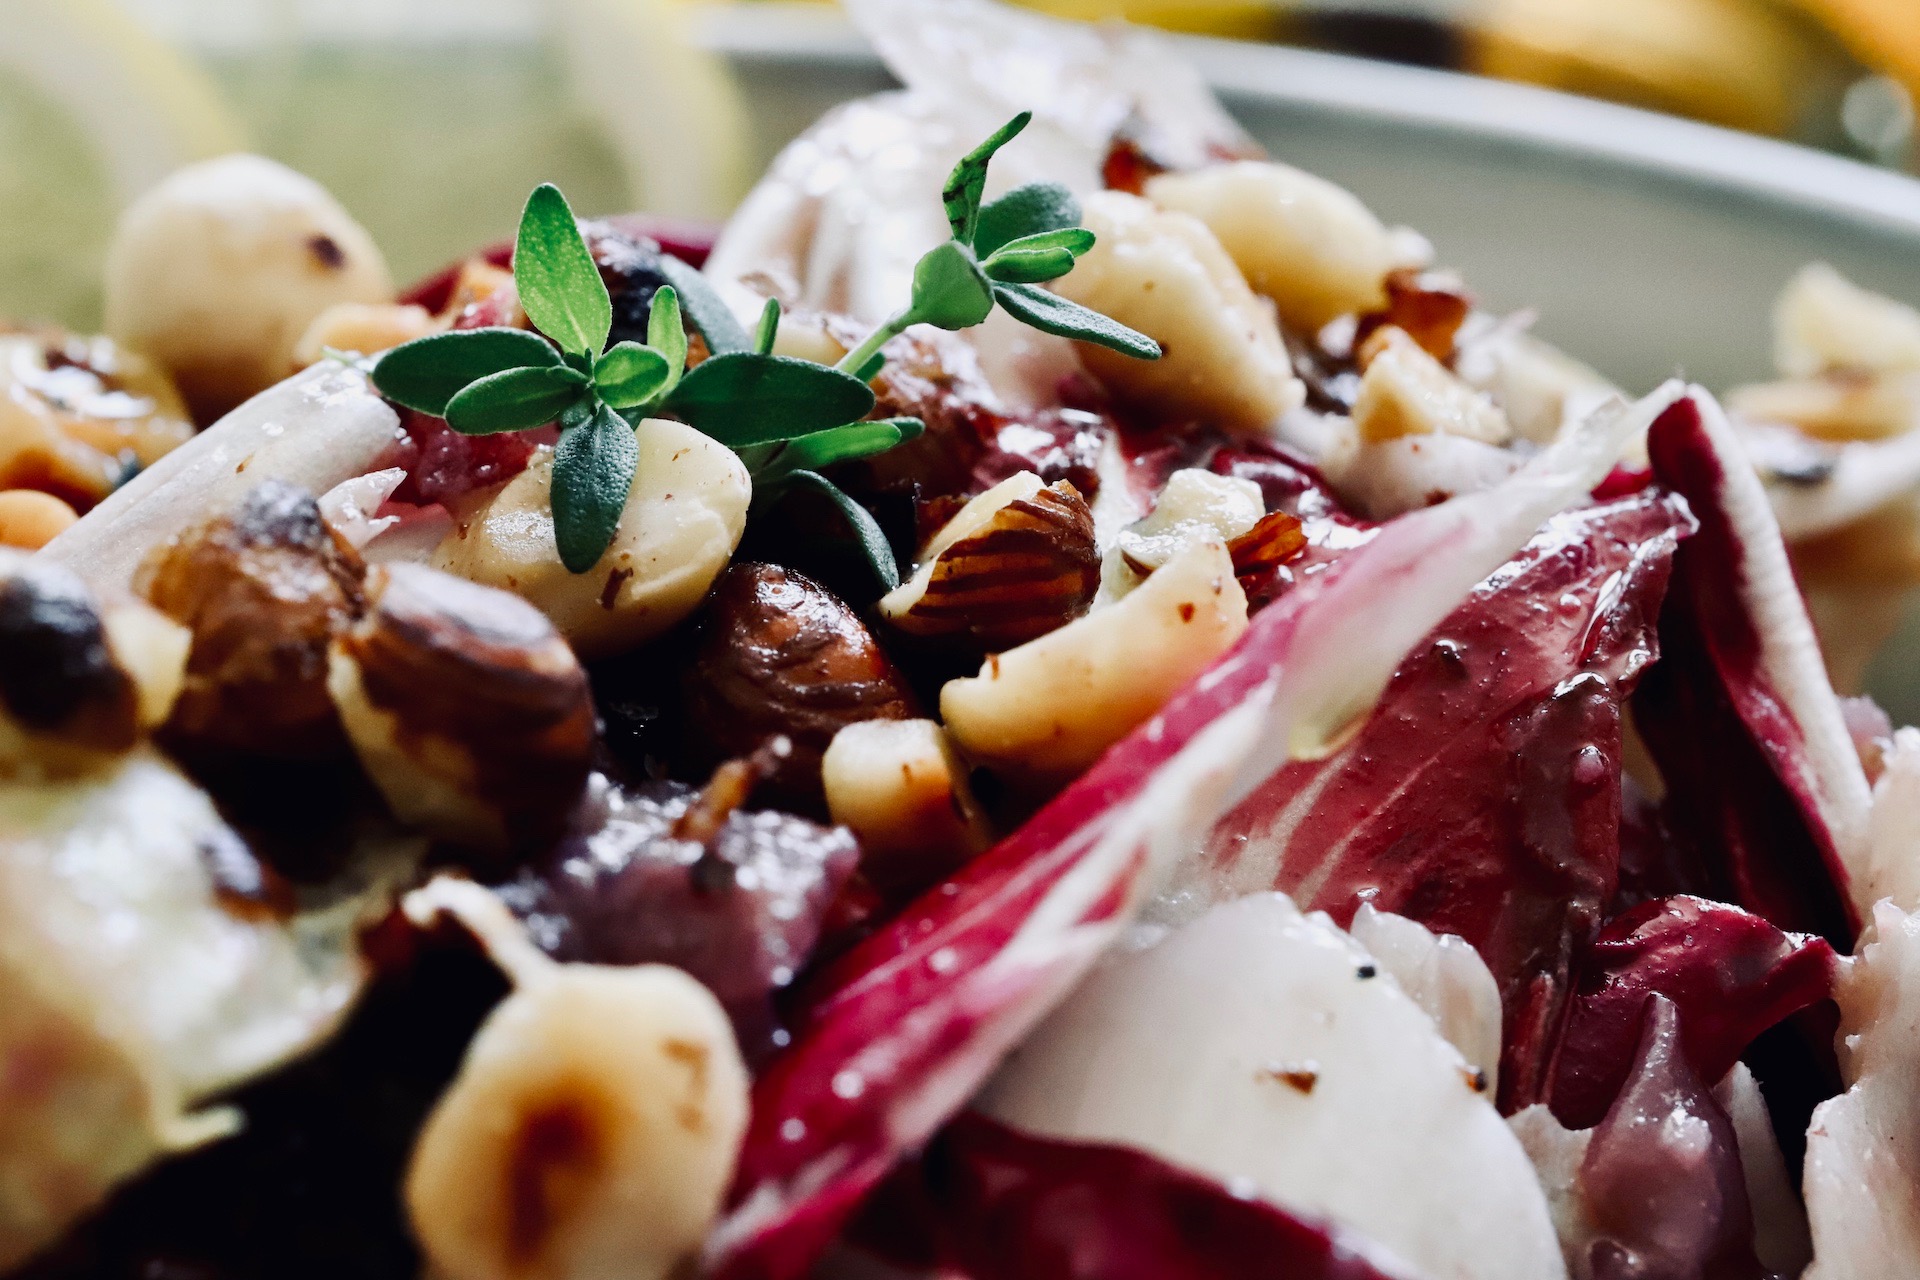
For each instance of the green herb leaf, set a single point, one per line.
(709, 315)
(769, 329)
(744, 398)
(969, 178)
(1075, 240)
(426, 373)
(666, 334)
(629, 374)
(559, 285)
(1027, 266)
(839, 444)
(949, 289)
(1050, 313)
(514, 400)
(1024, 211)
(871, 369)
(593, 468)
(867, 533)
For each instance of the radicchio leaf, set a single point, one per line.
(914, 1019)
(1761, 776)
(1482, 797)
(1012, 1206)
(1730, 973)
(1662, 1183)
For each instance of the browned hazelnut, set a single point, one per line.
(263, 589)
(1021, 566)
(78, 679)
(467, 709)
(780, 654)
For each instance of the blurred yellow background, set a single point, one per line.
(431, 118)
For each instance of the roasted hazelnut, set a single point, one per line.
(592, 1131)
(465, 706)
(683, 519)
(781, 655)
(79, 680)
(264, 590)
(1014, 564)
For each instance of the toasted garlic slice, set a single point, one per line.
(1166, 275)
(684, 516)
(1823, 321)
(591, 1132)
(467, 709)
(1406, 392)
(1306, 243)
(899, 787)
(1194, 505)
(1053, 705)
(1013, 564)
(217, 272)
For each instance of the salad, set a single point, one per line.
(1053, 700)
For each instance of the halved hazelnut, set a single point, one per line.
(899, 787)
(781, 655)
(1049, 708)
(592, 1131)
(467, 709)
(1014, 564)
(263, 590)
(79, 679)
(1406, 392)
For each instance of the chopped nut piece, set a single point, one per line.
(467, 709)
(1429, 305)
(1167, 276)
(263, 590)
(1195, 505)
(1275, 540)
(1051, 706)
(899, 787)
(1824, 322)
(781, 655)
(591, 1131)
(1838, 405)
(1306, 243)
(683, 518)
(1015, 563)
(1406, 392)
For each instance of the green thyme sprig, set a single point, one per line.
(1001, 252)
(789, 419)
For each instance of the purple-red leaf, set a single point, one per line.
(1011, 1206)
(1482, 796)
(1762, 779)
(1730, 974)
(1662, 1182)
